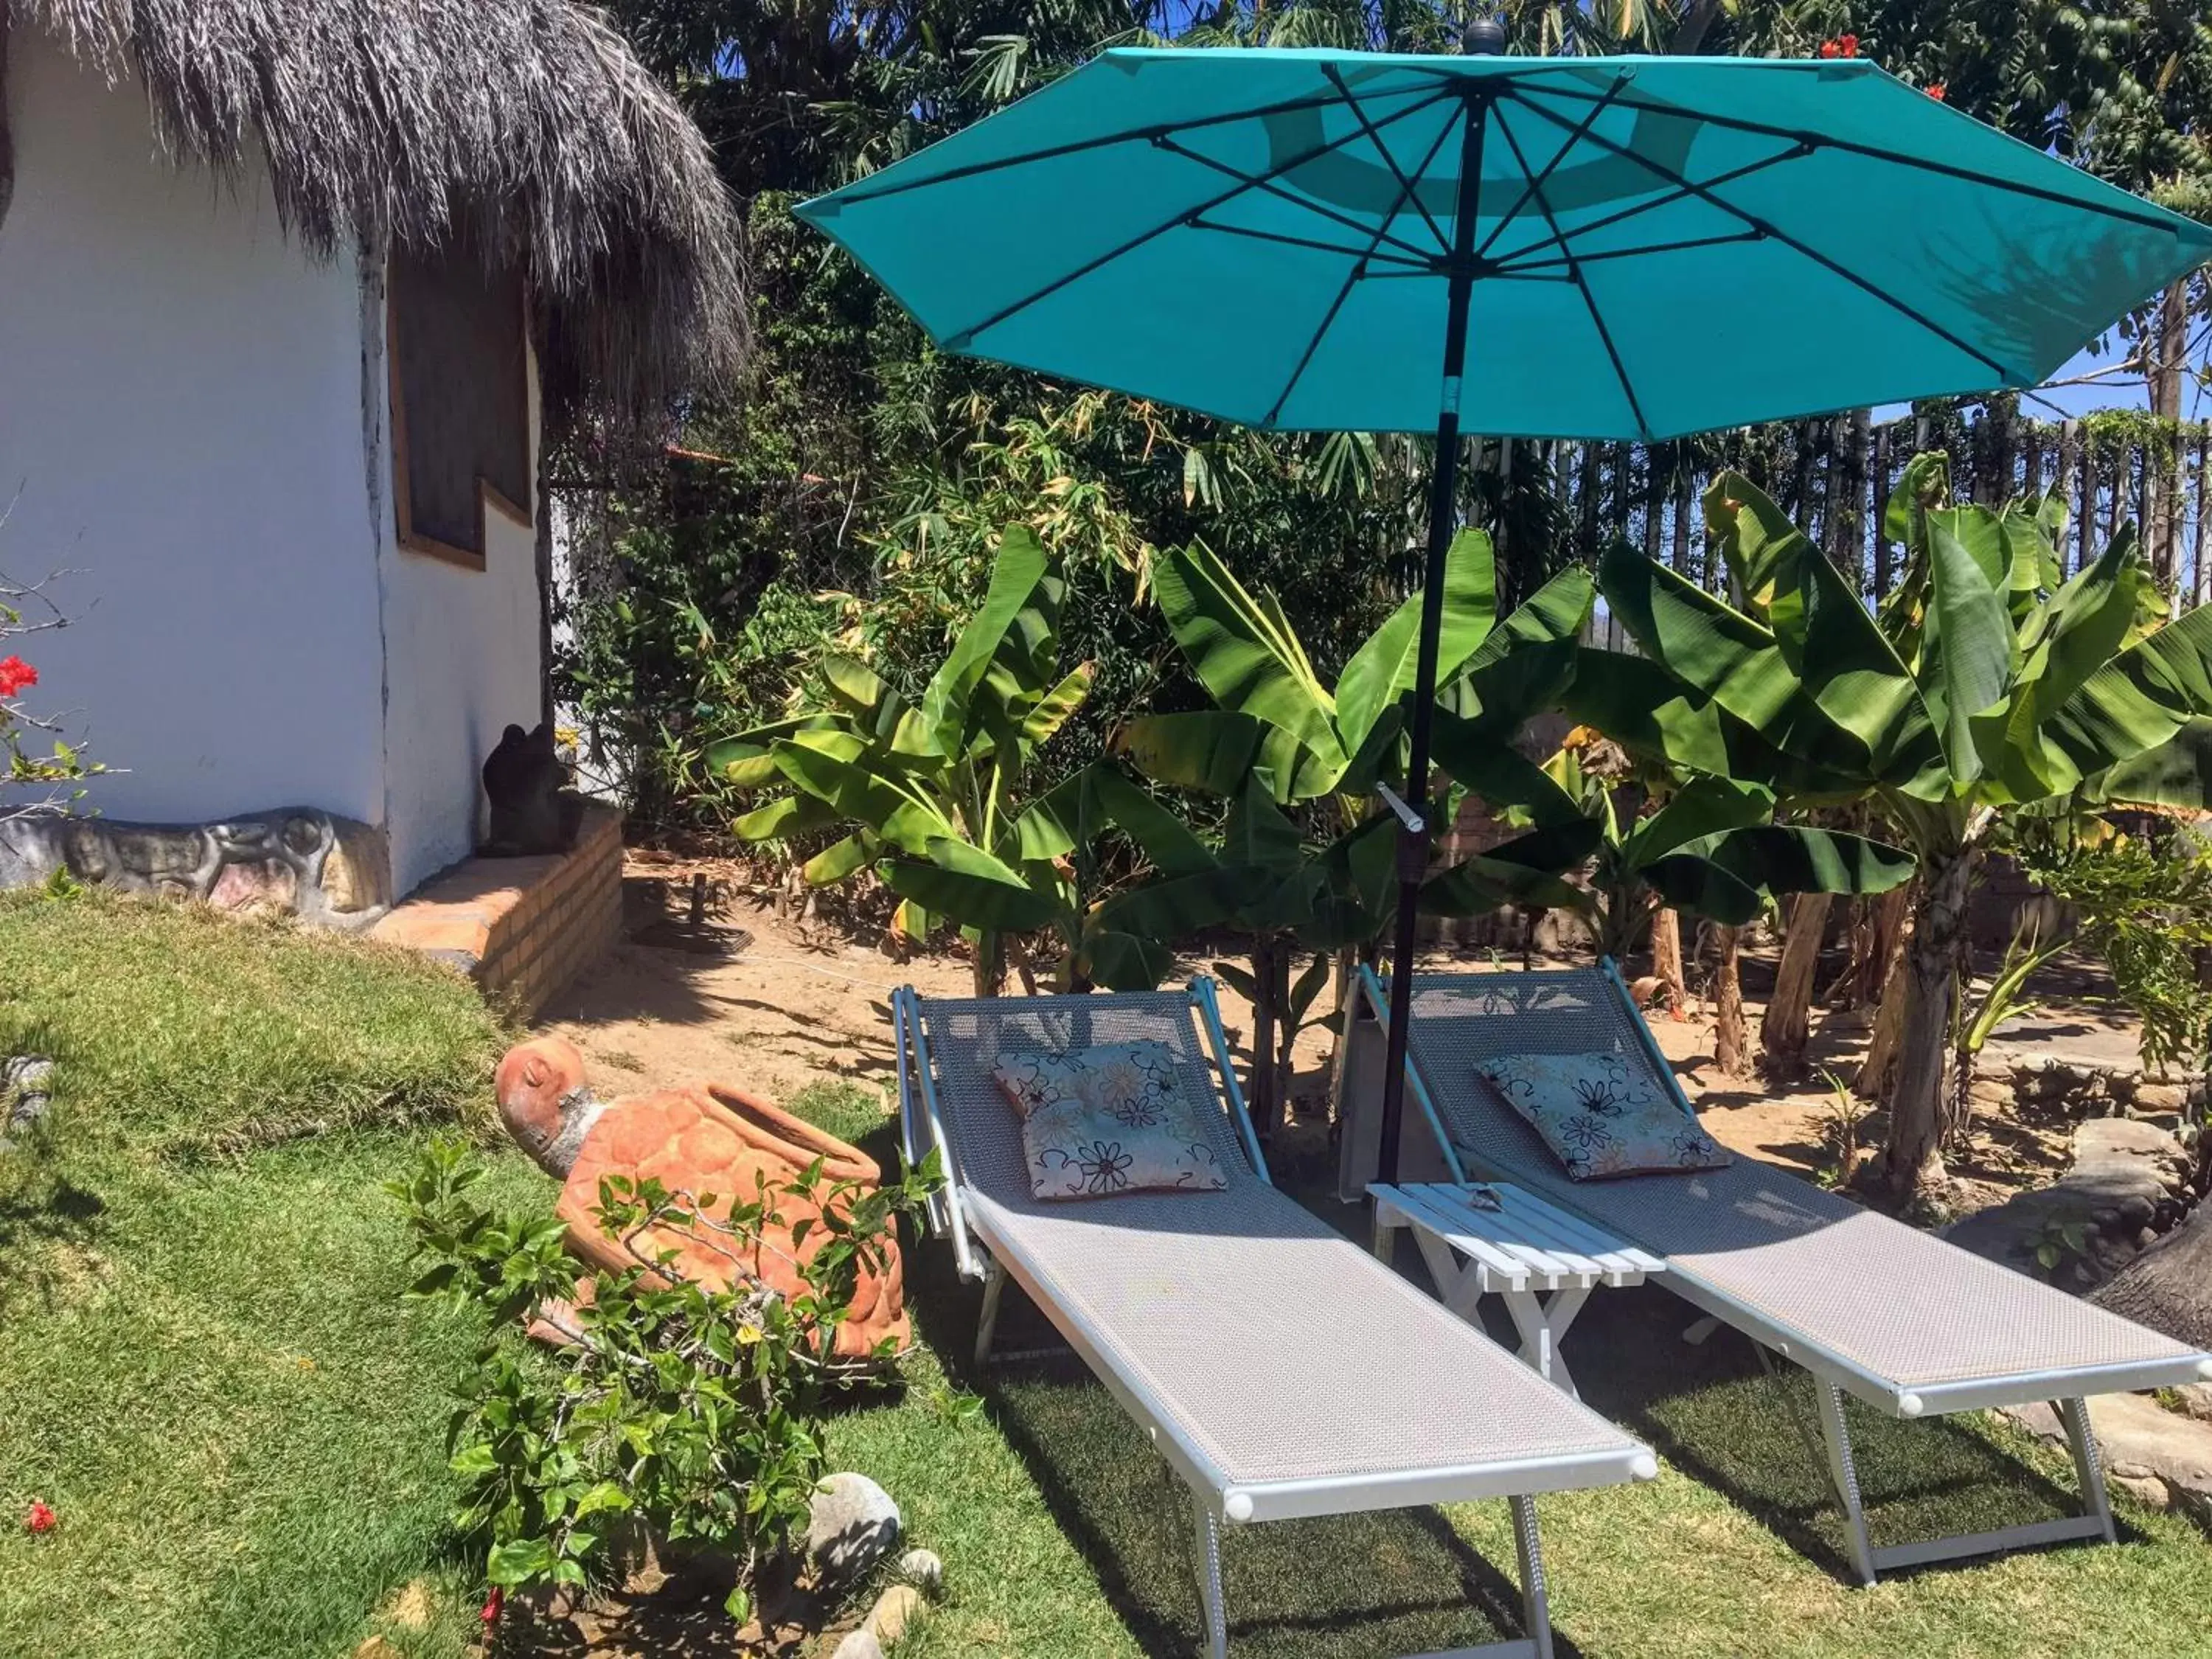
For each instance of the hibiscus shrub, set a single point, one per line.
(47, 778)
(691, 1412)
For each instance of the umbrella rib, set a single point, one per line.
(1569, 260)
(1754, 222)
(1406, 185)
(862, 192)
(1666, 199)
(1411, 266)
(1276, 191)
(1352, 276)
(2153, 219)
(962, 339)
(1538, 180)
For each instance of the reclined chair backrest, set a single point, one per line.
(957, 1107)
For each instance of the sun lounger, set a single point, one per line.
(1902, 1319)
(1278, 1369)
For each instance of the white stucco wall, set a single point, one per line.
(463, 647)
(180, 421)
(194, 422)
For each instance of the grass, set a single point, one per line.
(205, 1366)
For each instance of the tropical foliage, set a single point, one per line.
(1709, 846)
(945, 797)
(1986, 686)
(1306, 864)
(693, 1415)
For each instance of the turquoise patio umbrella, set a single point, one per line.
(1524, 247)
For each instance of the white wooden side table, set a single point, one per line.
(1495, 1239)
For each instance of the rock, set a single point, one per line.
(2161, 1456)
(923, 1569)
(859, 1645)
(2149, 1491)
(897, 1612)
(2194, 1400)
(1992, 1091)
(854, 1524)
(2159, 1098)
(27, 1085)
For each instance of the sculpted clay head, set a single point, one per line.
(543, 1103)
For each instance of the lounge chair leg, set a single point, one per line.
(1699, 1331)
(1209, 1581)
(995, 1286)
(1535, 1604)
(2088, 1465)
(1846, 1476)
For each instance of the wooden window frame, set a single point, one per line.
(488, 496)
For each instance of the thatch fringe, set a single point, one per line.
(530, 121)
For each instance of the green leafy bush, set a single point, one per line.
(2148, 916)
(692, 1412)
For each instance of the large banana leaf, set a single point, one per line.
(1214, 751)
(1702, 808)
(2176, 774)
(2139, 699)
(1243, 653)
(1847, 703)
(1016, 576)
(1492, 768)
(1969, 652)
(1383, 670)
(972, 887)
(1527, 659)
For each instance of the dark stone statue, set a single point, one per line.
(533, 808)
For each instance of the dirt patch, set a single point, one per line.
(804, 1001)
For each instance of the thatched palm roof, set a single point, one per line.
(529, 120)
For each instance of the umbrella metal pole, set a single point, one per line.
(1443, 494)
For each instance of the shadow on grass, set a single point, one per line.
(47, 1222)
(1348, 1586)
(1713, 1411)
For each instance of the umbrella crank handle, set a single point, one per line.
(1414, 843)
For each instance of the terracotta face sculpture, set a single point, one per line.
(700, 1138)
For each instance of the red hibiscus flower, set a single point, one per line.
(1831, 49)
(1849, 44)
(40, 1519)
(493, 1604)
(1938, 91)
(15, 675)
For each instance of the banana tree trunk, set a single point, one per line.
(990, 964)
(1913, 1154)
(1667, 960)
(1266, 950)
(1788, 1022)
(1731, 1034)
(1881, 1062)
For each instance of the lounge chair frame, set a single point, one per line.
(1835, 1375)
(1216, 1498)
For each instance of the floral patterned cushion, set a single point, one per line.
(1098, 1121)
(1601, 1117)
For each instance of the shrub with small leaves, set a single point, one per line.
(691, 1412)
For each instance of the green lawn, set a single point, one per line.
(205, 1367)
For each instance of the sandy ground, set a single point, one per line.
(795, 1003)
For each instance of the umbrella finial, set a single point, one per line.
(1484, 35)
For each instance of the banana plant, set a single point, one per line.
(1710, 848)
(941, 798)
(1989, 686)
(1305, 865)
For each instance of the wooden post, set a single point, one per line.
(2203, 577)
(2031, 461)
(1653, 507)
(1591, 475)
(1878, 505)
(1682, 531)
(2085, 516)
(1624, 474)
(1851, 533)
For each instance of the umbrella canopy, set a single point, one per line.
(1637, 247)
(1657, 245)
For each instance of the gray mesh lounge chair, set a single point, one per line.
(1908, 1323)
(1280, 1370)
